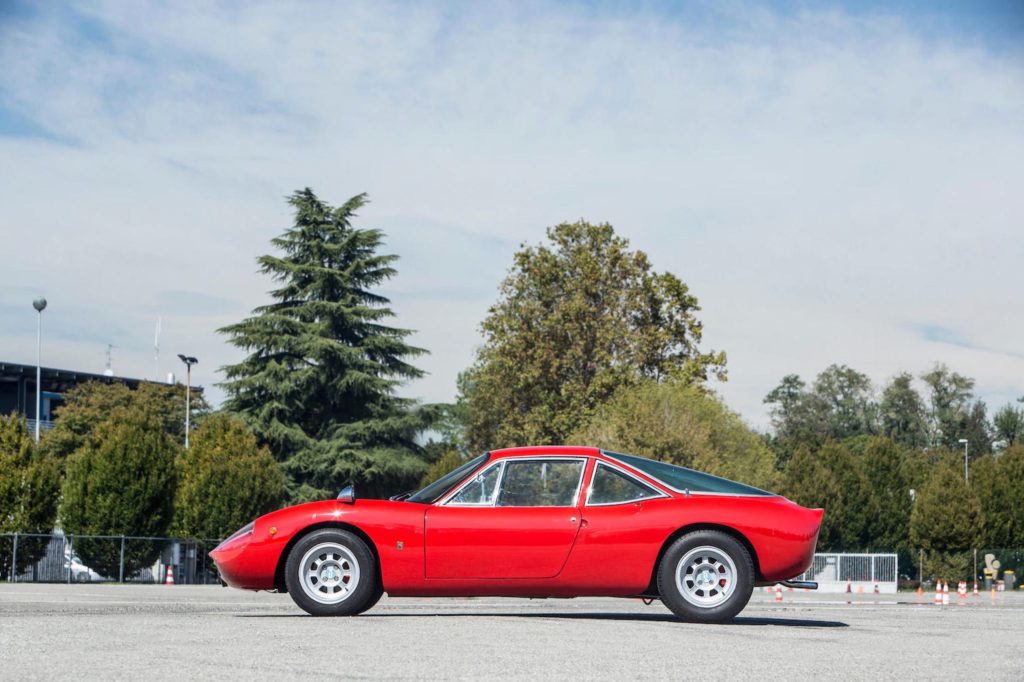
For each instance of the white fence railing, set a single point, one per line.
(856, 572)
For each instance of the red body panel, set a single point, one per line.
(435, 550)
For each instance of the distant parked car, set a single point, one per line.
(534, 522)
(80, 573)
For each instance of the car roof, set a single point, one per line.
(534, 450)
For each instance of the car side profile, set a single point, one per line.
(533, 522)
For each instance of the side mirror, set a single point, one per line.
(347, 494)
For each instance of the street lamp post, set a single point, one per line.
(965, 441)
(40, 305)
(189, 361)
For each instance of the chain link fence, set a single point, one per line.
(60, 558)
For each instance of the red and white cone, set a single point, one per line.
(938, 593)
(170, 576)
(778, 593)
(975, 588)
(961, 590)
(849, 586)
(945, 594)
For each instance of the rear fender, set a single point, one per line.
(652, 588)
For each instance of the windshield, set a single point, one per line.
(682, 479)
(438, 488)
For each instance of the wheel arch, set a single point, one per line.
(279, 581)
(652, 587)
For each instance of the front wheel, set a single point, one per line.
(706, 577)
(331, 572)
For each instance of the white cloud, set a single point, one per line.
(826, 184)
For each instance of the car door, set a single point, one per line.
(516, 519)
(617, 544)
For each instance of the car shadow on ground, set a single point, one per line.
(741, 621)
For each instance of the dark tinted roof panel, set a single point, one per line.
(681, 479)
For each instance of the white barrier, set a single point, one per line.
(857, 573)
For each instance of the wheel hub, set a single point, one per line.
(329, 573)
(705, 576)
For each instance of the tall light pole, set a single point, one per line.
(189, 361)
(40, 305)
(965, 441)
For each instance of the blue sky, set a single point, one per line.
(837, 183)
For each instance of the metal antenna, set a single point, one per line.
(109, 371)
(156, 352)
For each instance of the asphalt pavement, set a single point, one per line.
(87, 632)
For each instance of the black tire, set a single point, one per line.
(718, 559)
(344, 554)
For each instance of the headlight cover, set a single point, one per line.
(242, 532)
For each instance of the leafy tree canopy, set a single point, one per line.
(121, 481)
(680, 423)
(837, 406)
(903, 412)
(998, 481)
(1008, 424)
(29, 487)
(318, 383)
(225, 480)
(88, 405)
(947, 515)
(577, 319)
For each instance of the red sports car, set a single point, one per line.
(533, 522)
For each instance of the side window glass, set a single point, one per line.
(540, 483)
(611, 486)
(481, 489)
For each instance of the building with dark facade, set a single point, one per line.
(18, 389)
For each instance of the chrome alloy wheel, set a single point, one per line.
(706, 576)
(329, 573)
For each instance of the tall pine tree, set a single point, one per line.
(318, 385)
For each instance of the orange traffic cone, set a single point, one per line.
(778, 593)
(170, 576)
(848, 586)
(920, 590)
(860, 589)
(945, 593)
(938, 593)
(961, 590)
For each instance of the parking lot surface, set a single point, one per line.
(182, 632)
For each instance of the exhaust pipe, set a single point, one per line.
(804, 585)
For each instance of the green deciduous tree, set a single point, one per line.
(318, 383)
(950, 398)
(121, 481)
(29, 487)
(998, 483)
(577, 319)
(837, 406)
(677, 422)
(88, 405)
(947, 521)
(807, 481)
(449, 461)
(904, 417)
(1008, 424)
(225, 480)
(885, 465)
(857, 509)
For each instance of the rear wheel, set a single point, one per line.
(706, 577)
(331, 572)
